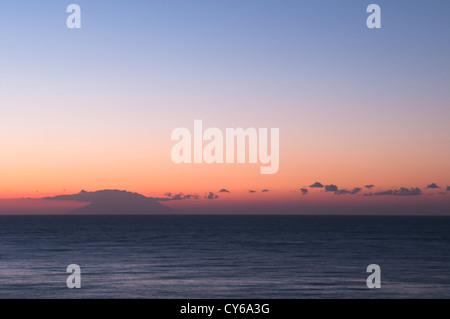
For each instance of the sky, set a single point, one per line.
(94, 108)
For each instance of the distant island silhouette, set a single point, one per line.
(114, 202)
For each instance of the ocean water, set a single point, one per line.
(224, 256)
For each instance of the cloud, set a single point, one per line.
(448, 188)
(180, 196)
(344, 191)
(191, 196)
(432, 186)
(304, 191)
(403, 191)
(369, 186)
(316, 185)
(251, 191)
(265, 190)
(223, 190)
(211, 195)
(331, 188)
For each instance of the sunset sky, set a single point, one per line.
(94, 108)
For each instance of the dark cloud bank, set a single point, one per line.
(114, 202)
(403, 191)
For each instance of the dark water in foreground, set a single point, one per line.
(224, 256)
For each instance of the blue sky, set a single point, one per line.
(231, 45)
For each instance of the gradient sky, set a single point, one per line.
(94, 108)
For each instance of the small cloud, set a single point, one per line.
(403, 191)
(251, 191)
(191, 196)
(179, 196)
(448, 188)
(265, 190)
(304, 191)
(369, 186)
(223, 190)
(316, 185)
(344, 191)
(211, 195)
(331, 188)
(432, 186)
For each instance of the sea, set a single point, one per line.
(225, 256)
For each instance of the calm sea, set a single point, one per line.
(224, 256)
